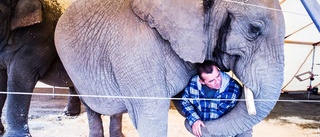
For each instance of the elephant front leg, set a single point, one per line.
(2, 101)
(3, 96)
(18, 104)
(17, 116)
(151, 116)
(73, 107)
(95, 123)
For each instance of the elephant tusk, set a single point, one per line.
(249, 101)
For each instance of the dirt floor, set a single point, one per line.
(293, 116)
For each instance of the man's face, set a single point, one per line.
(212, 80)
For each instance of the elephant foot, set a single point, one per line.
(16, 134)
(1, 129)
(68, 112)
(26, 135)
(117, 135)
(73, 107)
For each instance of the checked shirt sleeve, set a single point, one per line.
(188, 97)
(232, 92)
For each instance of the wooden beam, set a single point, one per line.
(302, 43)
(313, 9)
(298, 30)
(282, 1)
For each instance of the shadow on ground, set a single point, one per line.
(298, 105)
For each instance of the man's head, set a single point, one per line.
(209, 74)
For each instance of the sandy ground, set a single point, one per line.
(288, 119)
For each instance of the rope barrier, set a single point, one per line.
(153, 98)
(164, 98)
(263, 7)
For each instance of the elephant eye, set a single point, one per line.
(255, 29)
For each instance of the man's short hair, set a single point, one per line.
(205, 67)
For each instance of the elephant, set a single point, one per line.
(28, 55)
(134, 55)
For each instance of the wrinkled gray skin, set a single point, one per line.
(145, 48)
(27, 54)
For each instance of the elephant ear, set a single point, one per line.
(26, 13)
(180, 22)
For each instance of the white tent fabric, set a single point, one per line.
(296, 18)
(301, 34)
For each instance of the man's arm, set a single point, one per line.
(187, 107)
(232, 92)
(189, 111)
(191, 114)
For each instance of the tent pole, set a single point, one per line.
(312, 77)
(313, 9)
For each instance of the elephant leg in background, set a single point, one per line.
(3, 88)
(23, 74)
(73, 107)
(57, 76)
(18, 105)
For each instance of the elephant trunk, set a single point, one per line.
(238, 120)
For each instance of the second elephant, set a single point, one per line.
(27, 55)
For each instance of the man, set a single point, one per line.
(210, 83)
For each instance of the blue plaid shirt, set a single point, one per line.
(196, 109)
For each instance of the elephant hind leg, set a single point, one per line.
(115, 128)
(95, 123)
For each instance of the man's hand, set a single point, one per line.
(196, 128)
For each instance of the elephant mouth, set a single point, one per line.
(219, 51)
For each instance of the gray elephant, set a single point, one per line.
(28, 54)
(136, 54)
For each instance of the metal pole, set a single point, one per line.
(313, 9)
(314, 52)
(53, 90)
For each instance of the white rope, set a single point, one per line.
(242, 2)
(167, 98)
(151, 98)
